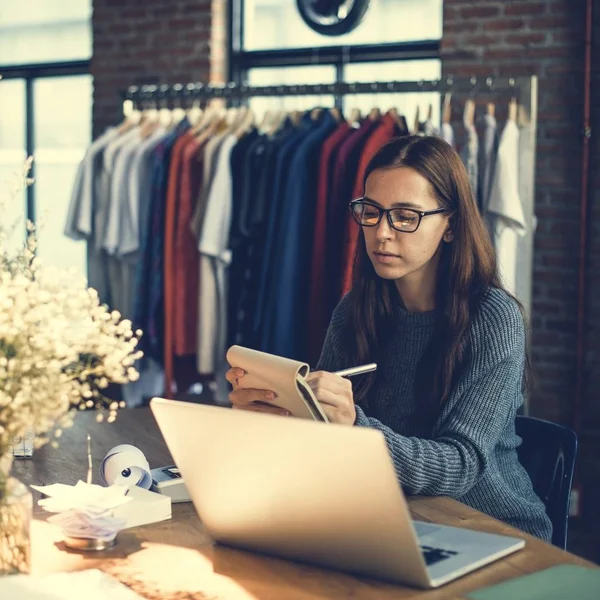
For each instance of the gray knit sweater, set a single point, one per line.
(470, 454)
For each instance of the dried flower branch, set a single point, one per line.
(59, 347)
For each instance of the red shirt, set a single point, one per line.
(386, 131)
(318, 317)
(171, 209)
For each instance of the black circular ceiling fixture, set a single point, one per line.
(332, 17)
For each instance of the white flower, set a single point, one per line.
(58, 346)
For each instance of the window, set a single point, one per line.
(45, 111)
(291, 76)
(396, 41)
(63, 122)
(272, 24)
(42, 31)
(12, 154)
(406, 103)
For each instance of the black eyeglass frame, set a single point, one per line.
(388, 211)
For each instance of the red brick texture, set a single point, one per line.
(527, 37)
(157, 41)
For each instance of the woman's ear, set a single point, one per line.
(448, 234)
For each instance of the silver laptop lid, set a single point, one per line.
(320, 493)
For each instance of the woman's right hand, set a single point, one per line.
(251, 399)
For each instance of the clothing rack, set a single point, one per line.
(523, 89)
(518, 87)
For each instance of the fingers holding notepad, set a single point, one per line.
(255, 400)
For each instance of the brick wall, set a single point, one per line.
(546, 38)
(157, 41)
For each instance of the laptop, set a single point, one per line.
(313, 492)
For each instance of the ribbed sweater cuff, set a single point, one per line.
(361, 419)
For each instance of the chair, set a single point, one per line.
(548, 455)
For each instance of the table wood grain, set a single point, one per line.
(176, 559)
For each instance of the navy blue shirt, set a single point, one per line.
(288, 298)
(285, 155)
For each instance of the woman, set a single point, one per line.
(426, 305)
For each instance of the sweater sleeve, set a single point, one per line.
(333, 354)
(483, 403)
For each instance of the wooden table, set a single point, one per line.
(176, 560)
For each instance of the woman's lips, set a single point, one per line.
(385, 258)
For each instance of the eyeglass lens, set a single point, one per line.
(403, 219)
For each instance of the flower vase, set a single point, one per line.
(16, 506)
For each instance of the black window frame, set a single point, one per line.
(29, 73)
(240, 61)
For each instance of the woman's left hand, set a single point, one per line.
(334, 393)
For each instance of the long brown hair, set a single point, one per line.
(467, 270)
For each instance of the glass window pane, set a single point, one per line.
(12, 157)
(272, 24)
(406, 103)
(291, 76)
(62, 134)
(39, 31)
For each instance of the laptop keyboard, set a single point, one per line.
(435, 555)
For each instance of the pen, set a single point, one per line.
(356, 370)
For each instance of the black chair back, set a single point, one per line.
(548, 455)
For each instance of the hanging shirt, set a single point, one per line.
(469, 156)
(505, 208)
(487, 158)
(290, 296)
(248, 300)
(211, 154)
(318, 317)
(149, 308)
(79, 224)
(186, 264)
(342, 190)
(447, 133)
(263, 316)
(387, 130)
(139, 191)
(247, 162)
(215, 257)
(87, 200)
(171, 209)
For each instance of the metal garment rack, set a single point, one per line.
(524, 89)
(519, 87)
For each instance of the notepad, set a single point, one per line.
(555, 583)
(283, 376)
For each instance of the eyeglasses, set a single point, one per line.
(406, 220)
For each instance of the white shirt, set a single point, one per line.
(505, 208)
(79, 224)
(215, 257)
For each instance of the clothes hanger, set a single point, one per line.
(336, 114)
(469, 113)
(417, 122)
(512, 110)
(278, 121)
(295, 117)
(491, 109)
(375, 114)
(354, 117)
(447, 108)
(246, 124)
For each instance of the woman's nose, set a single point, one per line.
(384, 231)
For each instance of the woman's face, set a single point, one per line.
(398, 255)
